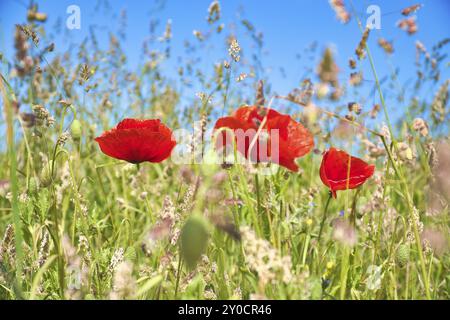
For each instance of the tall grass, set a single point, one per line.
(79, 225)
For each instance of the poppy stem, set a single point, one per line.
(324, 217)
(353, 212)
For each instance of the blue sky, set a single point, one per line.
(288, 26)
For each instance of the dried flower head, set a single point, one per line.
(341, 12)
(354, 107)
(440, 102)
(361, 49)
(328, 69)
(409, 25)
(374, 111)
(386, 45)
(356, 78)
(421, 126)
(411, 9)
(213, 12)
(234, 50)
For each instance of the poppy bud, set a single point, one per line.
(402, 255)
(46, 174)
(193, 240)
(75, 129)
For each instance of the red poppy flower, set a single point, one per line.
(334, 171)
(294, 140)
(136, 141)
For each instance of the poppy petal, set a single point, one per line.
(137, 141)
(340, 171)
(294, 140)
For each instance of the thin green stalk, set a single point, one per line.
(180, 262)
(344, 271)
(14, 186)
(400, 176)
(324, 217)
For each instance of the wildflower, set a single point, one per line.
(237, 294)
(354, 107)
(198, 35)
(374, 111)
(7, 242)
(187, 203)
(137, 141)
(420, 47)
(63, 139)
(420, 126)
(352, 63)
(405, 153)
(414, 220)
(210, 295)
(259, 101)
(167, 32)
(213, 12)
(303, 94)
(241, 77)
(43, 249)
(340, 171)
(116, 259)
(29, 32)
(361, 49)
(386, 45)
(234, 50)
(33, 15)
(409, 25)
(42, 115)
(266, 261)
(374, 150)
(355, 78)
(440, 102)
(203, 97)
(294, 139)
(411, 9)
(341, 13)
(328, 69)
(124, 284)
(85, 74)
(344, 232)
